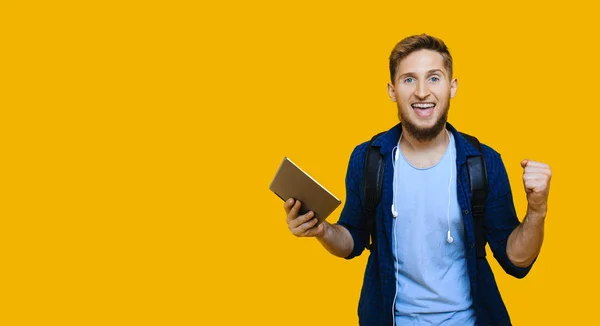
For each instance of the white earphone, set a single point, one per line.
(396, 155)
(450, 239)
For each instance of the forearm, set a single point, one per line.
(525, 242)
(337, 240)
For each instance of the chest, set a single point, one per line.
(422, 160)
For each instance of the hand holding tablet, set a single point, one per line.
(291, 182)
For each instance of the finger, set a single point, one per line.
(305, 226)
(301, 219)
(294, 211)
(524, 163)
(315, 231)
(535, 164)
(288, 205)
(536, 186)
(536, 176)
(530, 169)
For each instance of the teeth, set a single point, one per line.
(423, 105)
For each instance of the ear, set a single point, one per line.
(453, 87)
(391, 92)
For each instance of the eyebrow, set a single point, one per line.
(430, 72)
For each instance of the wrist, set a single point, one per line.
(539, 211)
(327, 229)
(536, 214)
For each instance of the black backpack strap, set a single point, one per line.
(372, 187)
(478, 183)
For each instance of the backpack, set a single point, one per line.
(478, 184)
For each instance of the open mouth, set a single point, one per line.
(423, 109)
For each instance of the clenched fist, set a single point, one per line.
(536, 179)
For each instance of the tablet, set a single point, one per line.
(291, 182)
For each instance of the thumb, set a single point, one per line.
(524, 163)
(321, 228)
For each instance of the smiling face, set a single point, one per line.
(422, 90)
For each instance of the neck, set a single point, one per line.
(409, 142)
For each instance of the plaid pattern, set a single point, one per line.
(376, 299)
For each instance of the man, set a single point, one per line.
(423, 269)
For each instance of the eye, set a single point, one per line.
(434, 79)
(409, 80)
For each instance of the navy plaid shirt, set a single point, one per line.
(377, 295)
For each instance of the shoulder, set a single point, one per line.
(498, 182)
(493, 159)
(357, 162)
(359, 151)
(468, 145)
(490, 153)
(379, 140)
(357, 159)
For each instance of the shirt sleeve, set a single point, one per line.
(500, 215)
(352, 216)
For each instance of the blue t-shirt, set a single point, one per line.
(431, 273)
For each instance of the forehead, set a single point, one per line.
(422, 61)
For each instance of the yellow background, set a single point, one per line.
(138, 140)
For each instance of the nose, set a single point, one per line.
(422, 91)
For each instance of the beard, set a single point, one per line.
(424, 134)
